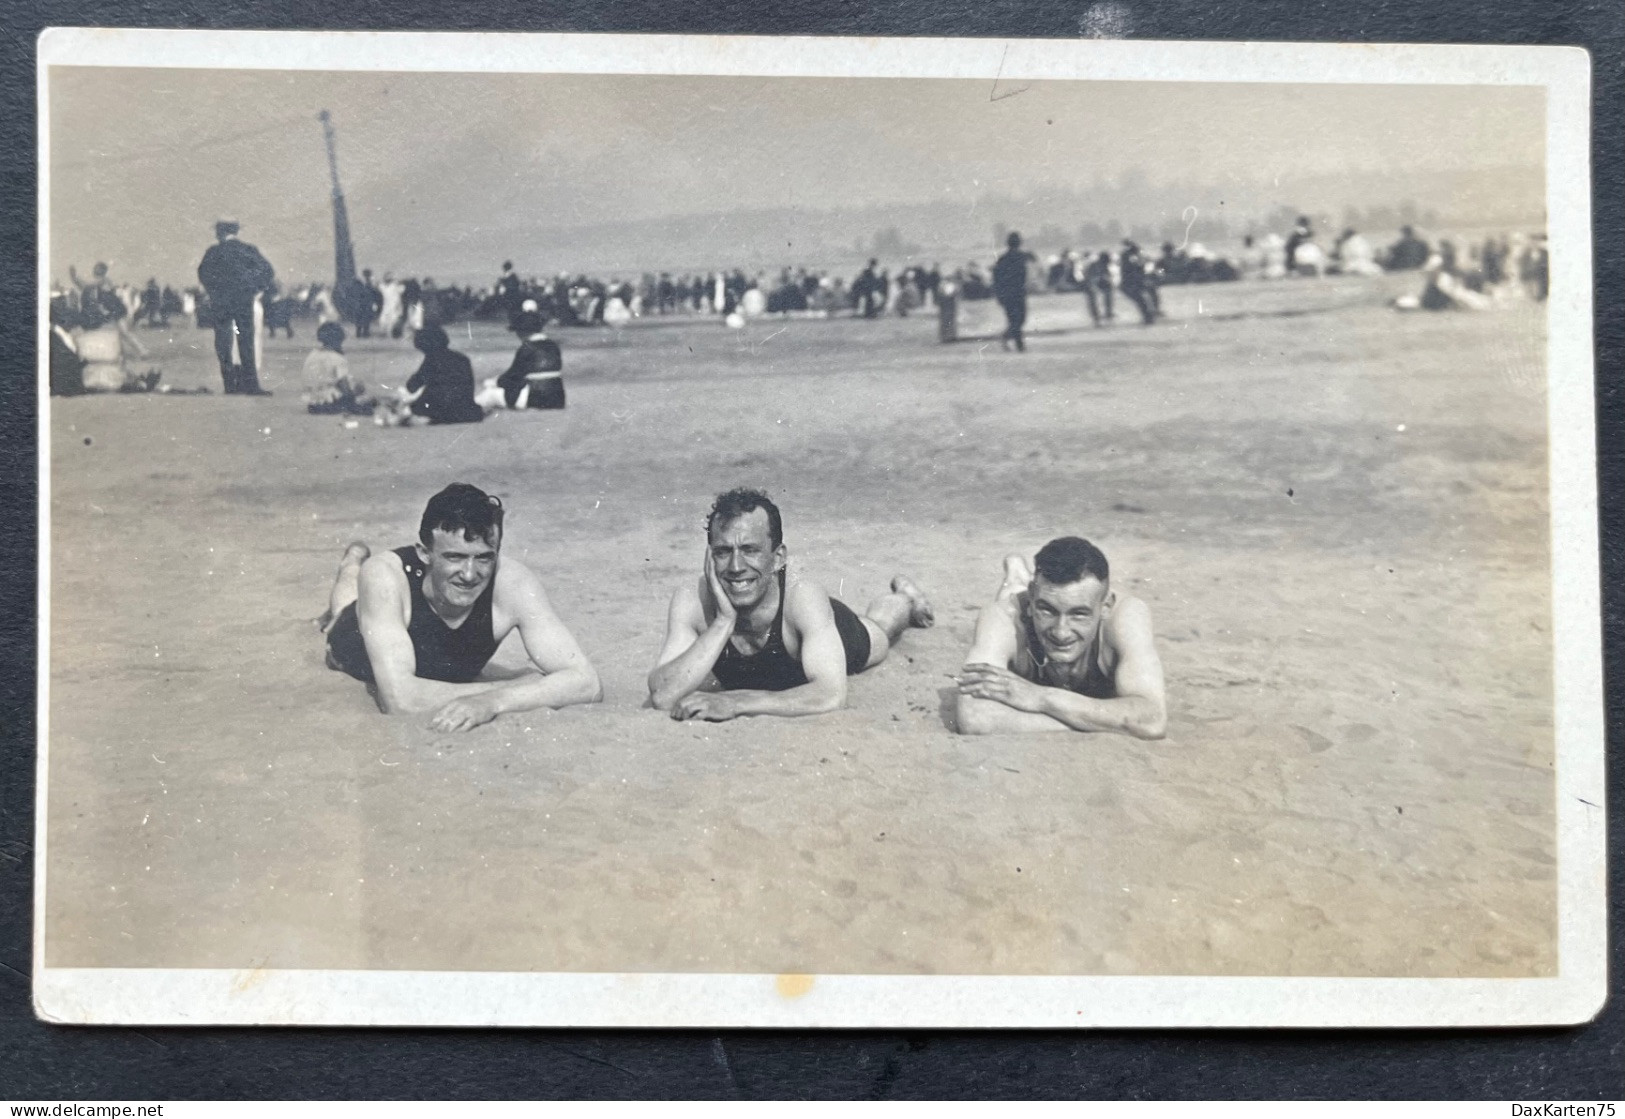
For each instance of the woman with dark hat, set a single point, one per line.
(535, 379)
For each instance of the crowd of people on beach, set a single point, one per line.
(94, 322)
(1497, 271)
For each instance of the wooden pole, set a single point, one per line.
(343, 248)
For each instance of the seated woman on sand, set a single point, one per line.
(441, 391)
(100, 341)
(1444, 290)
(535, 379)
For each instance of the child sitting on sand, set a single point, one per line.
(329, 391)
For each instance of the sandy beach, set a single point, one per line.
(1337, 514)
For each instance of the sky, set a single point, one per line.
(441, 171)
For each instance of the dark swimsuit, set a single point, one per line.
(457, 656)
(1097, 682)
(773, 669)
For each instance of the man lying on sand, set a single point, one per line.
(775, 647)
(421, 623)
(1058, 649)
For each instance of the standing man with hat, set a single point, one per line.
(1010, 289)
(234, 274)
(512, 291)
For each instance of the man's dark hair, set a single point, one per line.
(734, 504)
(1069, 559)
(331, 335)
(462, 509)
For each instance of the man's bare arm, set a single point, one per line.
(566, 675)
(690, 651)
(381, 612)
(994, 700)
(989, 716)
(1140, 707)
(1036, 707)
(995, 644)
(823, 661)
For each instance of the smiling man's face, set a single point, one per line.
(460, 567)
(745, 559)
(1066, 616)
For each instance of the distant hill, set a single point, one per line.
(948, 229)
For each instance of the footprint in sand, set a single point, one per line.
(1315, 741)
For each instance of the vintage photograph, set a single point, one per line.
(788, 518)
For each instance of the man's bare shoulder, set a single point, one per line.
(1130, 619)
(382, 593)
(689, 595)
(515, 577)
(805, 601)
(687, 609)
(382, 571)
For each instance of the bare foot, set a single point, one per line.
(1018, 575)
(920, 615)
(355, 555)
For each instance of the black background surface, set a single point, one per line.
(42, 1062)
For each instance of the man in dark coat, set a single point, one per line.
(512, 292)
(866, 290)
(1409, 252)
(1010, 289)
(151, 306)
(360, 301)
(1097, 287)
(99, 304)
(1301, 235)
(233, 272)
(1137, 283)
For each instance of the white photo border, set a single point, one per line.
(392, 998)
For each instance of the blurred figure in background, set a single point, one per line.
(1097, 287)
(1408, 253)
(1010, 289)
(1354, 256)
(1138, 285)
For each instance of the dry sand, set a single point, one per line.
(1354, 618)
